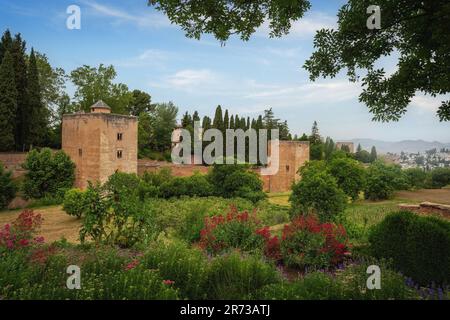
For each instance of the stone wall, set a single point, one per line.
(292, 155)
(13, 162)
(428, 208)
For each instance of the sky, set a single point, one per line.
(153, 55)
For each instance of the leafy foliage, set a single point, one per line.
(47, 173)
(416, 30)
(383, 180)
(317, 193)
(74, 202)
(232, 17)
(349, 175)
(7, 187)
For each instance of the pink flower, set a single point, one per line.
(168, 282)
(133, 264)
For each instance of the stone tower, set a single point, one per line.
(292, 156)
(100, 143)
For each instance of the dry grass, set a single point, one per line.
(432, 195)
(56, 225)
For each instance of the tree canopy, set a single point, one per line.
(416, 31)
(223, 18)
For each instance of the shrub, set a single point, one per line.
(318, 194)
(196, 185)
(22, 232)
(236, 277)
(417, 178)
(74, 202)
(347, 284)
(186, 267)
(47, 172)
(349, 175)
(157, 178)
(234, 180)
(7, 187)
(235, 230)
(440, 177)
(308, 243)
(313, 286)
(383, 180)
(114, 213)
(417, 245)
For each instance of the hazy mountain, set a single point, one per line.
(399, 146)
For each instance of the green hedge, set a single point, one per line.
(418, 246)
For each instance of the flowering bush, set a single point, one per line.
(235, 230)
(308, 243)
(22, 232)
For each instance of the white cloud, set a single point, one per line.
(189, 79)
(142, 19)
(148, 58)
(427, 104)
(305, 27)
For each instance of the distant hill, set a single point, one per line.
(411, 146)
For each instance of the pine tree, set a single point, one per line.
(8, 103)
(315, 135)
(5, 44)
(23, 119)
(37, 130)
(359, 149)
(186, 120)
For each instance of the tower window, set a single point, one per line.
(287, 168)
(119, 154)
(80, 152)
(119, 136)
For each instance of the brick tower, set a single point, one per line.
(100, 143)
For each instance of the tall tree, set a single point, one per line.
(218, 119)
(5, 44)
(315, 134)
(23, 120)
(37, 132)
(232, 125)
(415, 30)
(226, 120)
(373, 154)
(8, 103)
(141, 102)
(93, 84)
(165, 122)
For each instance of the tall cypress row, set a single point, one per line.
(23, 120)
(8, 103)
(37, 130)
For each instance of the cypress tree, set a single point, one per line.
(226, 120)
(218, 119)
(373, 154)
(8, 103)
(23, 118)
(37, 130)
(232, 126)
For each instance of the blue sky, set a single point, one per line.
(246, 77)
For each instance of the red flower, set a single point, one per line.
(168, 282)
(133, 264)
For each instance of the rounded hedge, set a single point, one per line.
(74, 202)
(418, 246)
(318, 194)
(7, 187)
